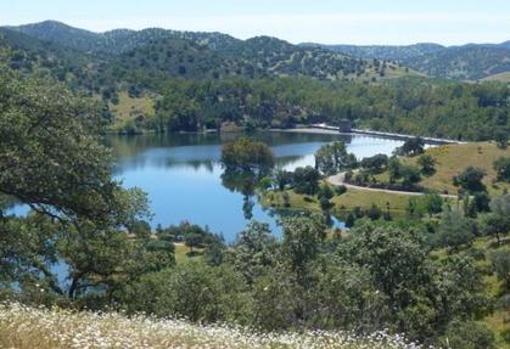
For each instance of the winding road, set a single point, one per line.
(339, 179)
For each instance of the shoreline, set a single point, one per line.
(311, 129)
(331, 130)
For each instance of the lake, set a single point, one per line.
(182, 175)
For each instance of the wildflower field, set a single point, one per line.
(25, 327)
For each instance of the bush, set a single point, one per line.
(502, 168)
(468, 335)
(427, 164)
(470, 179)
(340, 190)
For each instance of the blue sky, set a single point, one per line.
(448, 22)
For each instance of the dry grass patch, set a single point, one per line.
(454, 158)
(129, 108)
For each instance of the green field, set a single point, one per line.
(345, 202)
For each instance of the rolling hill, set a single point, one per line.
(467, 62)
(219, 54)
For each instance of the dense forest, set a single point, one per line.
(415, 106)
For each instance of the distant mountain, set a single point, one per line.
(505, 44)
(208, 54)
(391, 53)
(470, 62)
(60, 33)
(116, 41)
(467, 62)
(29, 54)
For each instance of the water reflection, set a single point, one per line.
(184, 180)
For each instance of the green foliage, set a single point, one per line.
(470, 179)
(206, 79)
(427, 164)
(454, 229)
(410, 175)
(346, 297)
(412, 286)
(247, 155)
(375, 164)
(283, 178)
(333, 158)
(306, 180)
(381, 275)
(254, 251)
(412, 147)
(325, 191)
(497, 222)
(394, 169)
(501, 263)
(467, 62)
(502, 168)
(468, 335)
(433, 203)
(302, 237)
(51, 160)
(501, 138)
(191, 290)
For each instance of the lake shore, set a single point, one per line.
(320, 129)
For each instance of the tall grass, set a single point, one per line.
(25, 327)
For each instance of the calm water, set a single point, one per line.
(183, 177)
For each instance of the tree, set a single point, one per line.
(350, 220)
(306, 180)
(254, 251)
(410, 175)
(497, 222)
(454, 229)
(192, 290)
(52, 160)
(375, 164)
(325, 204)
(247, 155)
(275, 300)
(283, 179)
(346, 297)
(433, 203)
(501, 264)
(470, 179)
(427, 164)
(481, 202)
(412, 147)
(460, 289)
(301, 239)
(394, 169)
(395, 257)
(501, 138)
(333, 158)
(468, 335)
(325, 192)
(495, 225)
(502, 168)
